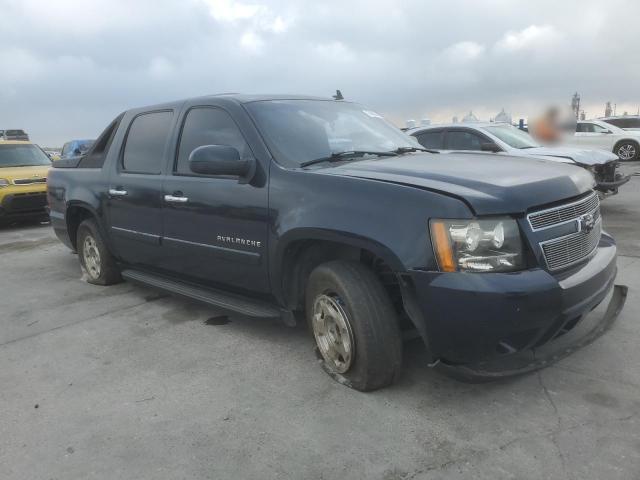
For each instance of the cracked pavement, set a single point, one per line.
(122, 382)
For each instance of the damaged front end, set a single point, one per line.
(573, 336)
(608, 178)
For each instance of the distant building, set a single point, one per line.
(411, 123)
(470, 117)
(425, 122)
(454, 119)
(503, 117)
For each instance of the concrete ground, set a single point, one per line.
(123, 382)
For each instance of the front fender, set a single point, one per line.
(388, 219)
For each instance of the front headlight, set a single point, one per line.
(491, 245)
(4, 182)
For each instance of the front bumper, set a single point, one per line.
(611, 187)
(608, 178)
(593, 326)
(478, 317)
(24, 204)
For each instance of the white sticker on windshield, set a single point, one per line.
(372, 114)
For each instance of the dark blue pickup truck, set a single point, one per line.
(300, 207)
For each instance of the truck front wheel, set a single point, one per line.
(354, 325)
(97, 262)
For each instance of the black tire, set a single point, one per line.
(624, 147)
(107, 272)
(377, 357)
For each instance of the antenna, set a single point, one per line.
(338, 95)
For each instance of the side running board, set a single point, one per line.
(224, 300)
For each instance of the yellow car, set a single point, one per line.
(23, 181)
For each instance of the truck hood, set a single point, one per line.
(490, 184)
(578, 155)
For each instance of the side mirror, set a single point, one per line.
(490, 147)
(608, 132)
(221, 160)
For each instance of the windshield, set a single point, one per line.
(512, 136)
(297, 131)
(22, 156)
(84, 145)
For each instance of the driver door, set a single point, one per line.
(215, 228)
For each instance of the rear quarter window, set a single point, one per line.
(96, 156)
(433, 139)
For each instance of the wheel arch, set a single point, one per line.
(76, 213)
(301, 250)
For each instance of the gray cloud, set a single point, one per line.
(68, 67)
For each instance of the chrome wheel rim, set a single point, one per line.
(333, 334)
(91, 256)
(626, 151)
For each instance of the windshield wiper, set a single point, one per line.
(335, 157)
(401, 150)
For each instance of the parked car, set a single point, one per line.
(53, 154)
(606, 136)
(23, 177)
(625, 122)
(298, 207)
(14, 135)
(509, 141)
(74, 148)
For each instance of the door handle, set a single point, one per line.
(174, 199)
(114, 192)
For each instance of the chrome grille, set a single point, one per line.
(565, 251)
(563, 214)
(29, 181)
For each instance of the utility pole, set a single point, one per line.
(575, 105)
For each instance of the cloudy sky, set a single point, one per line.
(67, 67)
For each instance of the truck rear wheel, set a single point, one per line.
(354, 325)
(97, 262)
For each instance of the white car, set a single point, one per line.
(504, 139)
(600, 134)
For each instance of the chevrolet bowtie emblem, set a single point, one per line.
(587, 222)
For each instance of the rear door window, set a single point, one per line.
(146, 142)
(463, 140)
(431, 139)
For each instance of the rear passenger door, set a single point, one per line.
(215, 227)
(135, 188)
